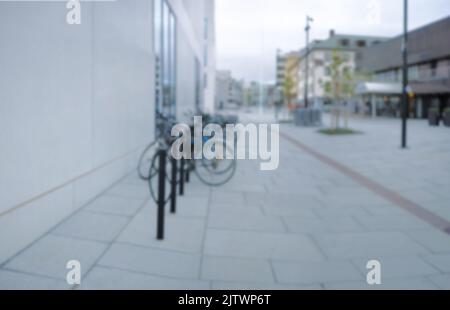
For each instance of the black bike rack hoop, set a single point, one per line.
(162, 156)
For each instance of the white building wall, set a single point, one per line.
(210, 67)
(76, 106)
(200, 16)
(185, 77)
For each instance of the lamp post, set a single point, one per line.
(405, 104)
(307, 28)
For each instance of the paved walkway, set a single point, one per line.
(307, 225)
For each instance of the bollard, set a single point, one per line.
(188, 173)
(162, 154)
(173, 187)
(182, 177)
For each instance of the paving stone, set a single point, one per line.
(260, 245)
(49, 256)
(281, 210)
(92, 226)
(386, 209)
(116, 205)
(350, 198)
(127, 190)
(442, 281)
(433, 239)
(315, 272)
(340, 211)
(301, 225)
(237, 270)
(192, 206)
(291, 201)
(235, 197)
(181, 234)
(152, 261)
(249, 187)
(391, 222)
(387, 284)
(221, 285)
(12, 280)
(133, 179)
(368, 244)
(420, 196)
(442, 212)
(440, 261)
(250, 218)
(397, 267)
(103, 278)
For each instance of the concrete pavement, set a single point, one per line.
(306, 225)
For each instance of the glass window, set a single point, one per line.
(344, 42)
(165, 58)
(361, 43)
(198, 77)
(158, 56)
(172, 62)
(205, 48)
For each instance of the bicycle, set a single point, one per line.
(219, 170)
(211, 172)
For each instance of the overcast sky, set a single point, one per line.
(250, 31)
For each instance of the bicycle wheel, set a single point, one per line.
(145, 161)
(215, 172)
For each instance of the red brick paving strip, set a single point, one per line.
(402, 202)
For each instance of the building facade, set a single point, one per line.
(320, 58)
(260, 95)
(78, 101)
(287, 79)
(428, 72)
(229, 91)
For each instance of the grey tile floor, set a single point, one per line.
(303, 226)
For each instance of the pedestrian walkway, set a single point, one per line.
(306, 225)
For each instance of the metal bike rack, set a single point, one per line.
(173, 186)
(182, 176)
(179, 174)
(188, 174)
(161, 197)
(162, 154)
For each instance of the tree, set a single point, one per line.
(288, 90)
(340, 88)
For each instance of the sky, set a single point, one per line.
(249, 32)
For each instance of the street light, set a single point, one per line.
(405, 105)
(307, 28)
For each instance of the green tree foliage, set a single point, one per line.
(288, 89)
(342, 82)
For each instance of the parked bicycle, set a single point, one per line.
(212, 172)
(217, 171)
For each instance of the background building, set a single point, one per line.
(229, 91)
(287, 81)
(258, 94)
(321, 57)
(78, 102)
(429, 72)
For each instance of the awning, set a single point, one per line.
(374, 88)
